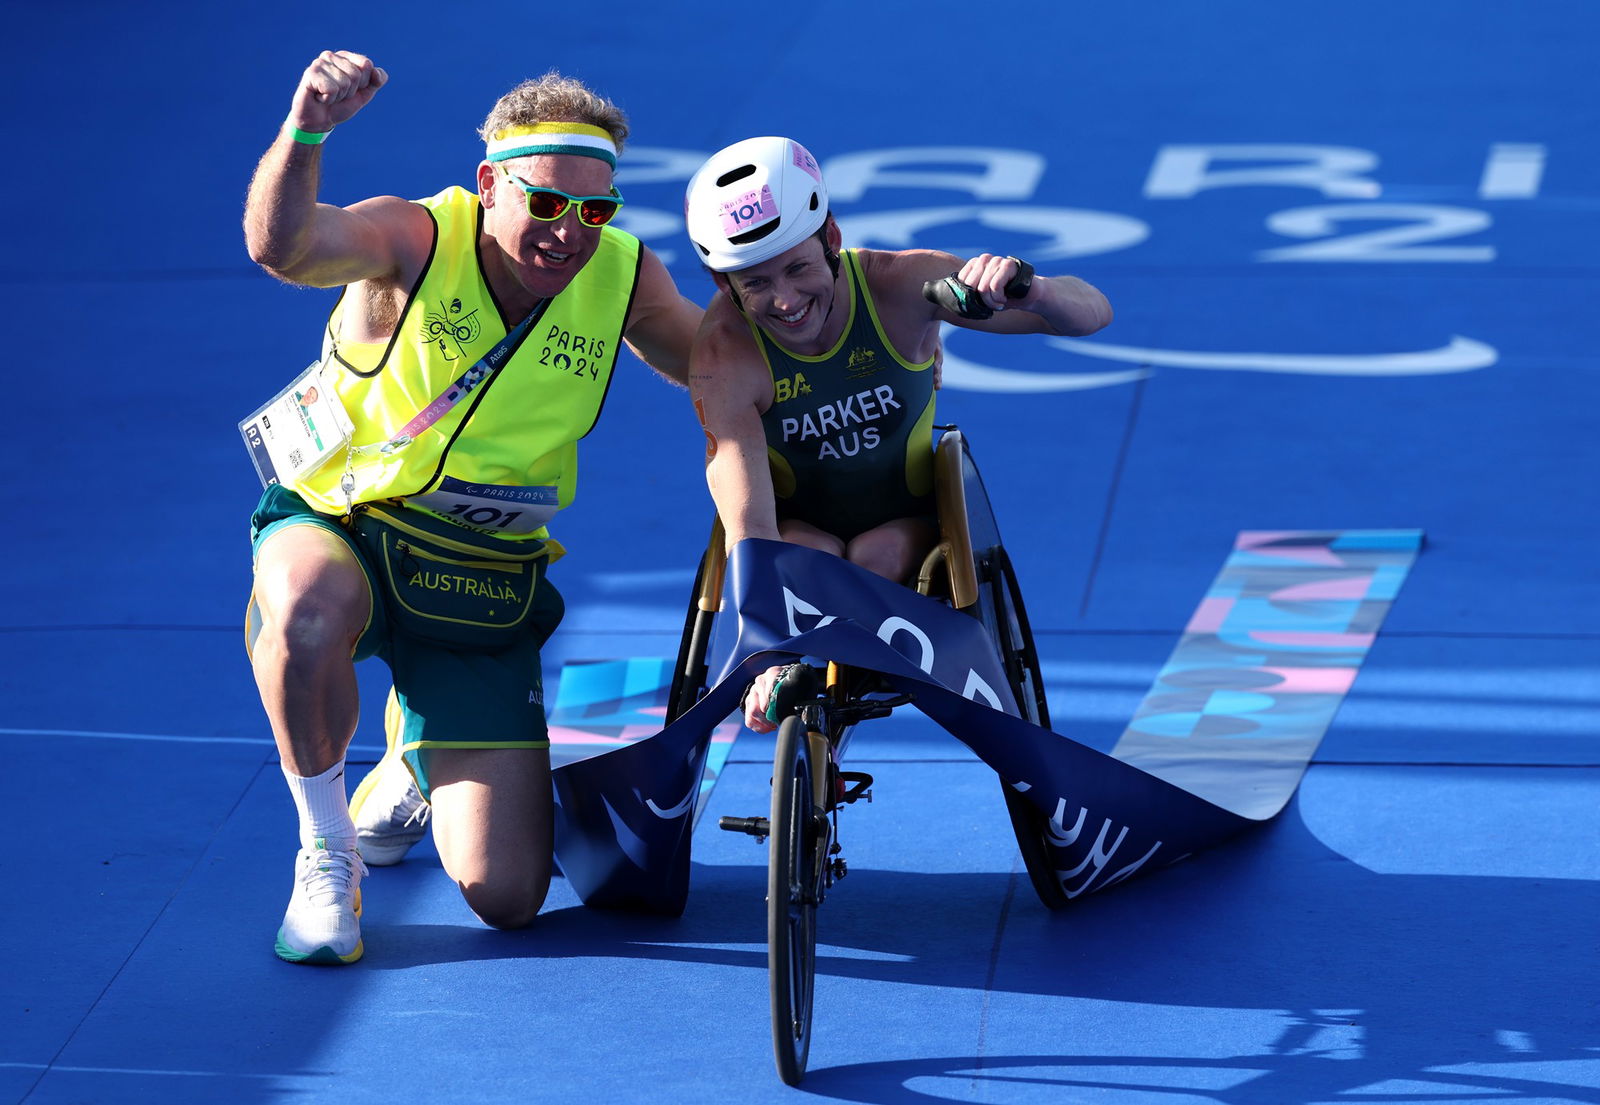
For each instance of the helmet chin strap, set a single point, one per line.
(833, 265)
(833, 302)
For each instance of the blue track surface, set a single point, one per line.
(1419, 925)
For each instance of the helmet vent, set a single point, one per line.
(757, 234)
(813, 201)
(732, 175)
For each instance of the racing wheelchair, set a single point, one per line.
(818, 708)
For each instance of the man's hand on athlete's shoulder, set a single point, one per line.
(332, 89)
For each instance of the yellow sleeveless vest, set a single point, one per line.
(521, 427)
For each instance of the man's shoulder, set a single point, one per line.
(397, 230)
(452, 197)
(616, 237)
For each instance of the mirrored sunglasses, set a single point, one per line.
(549, 204)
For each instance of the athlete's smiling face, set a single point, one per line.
(542, 256)
(791, 296)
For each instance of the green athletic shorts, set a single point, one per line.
(448, 698)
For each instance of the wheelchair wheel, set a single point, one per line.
(689, 675)
(798, 850)
(1000, 607)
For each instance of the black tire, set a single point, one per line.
(798, 850)
(1000, 603)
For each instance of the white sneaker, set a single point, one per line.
(388, 809)
(322, 924)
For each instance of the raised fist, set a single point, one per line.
(333, 88)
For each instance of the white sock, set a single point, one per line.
(324, 808)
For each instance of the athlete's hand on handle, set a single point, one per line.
(332, 89)
(1000, 281)
(985, 284)
(773, 694)
(758, 698)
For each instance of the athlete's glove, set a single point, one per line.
(964, 301)
(794, 683)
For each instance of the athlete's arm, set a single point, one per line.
(662, 322)
(728, 382)
(1063, 305)
(1069, 306)
(302, 241)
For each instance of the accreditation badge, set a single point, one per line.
(297, 430)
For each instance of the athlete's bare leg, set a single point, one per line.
(895, 549)
(493, 824)
(797, 532)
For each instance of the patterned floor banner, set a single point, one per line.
(1219, 745)
(1240, 707)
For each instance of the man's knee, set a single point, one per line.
(507, 904)
(493, 825)
(305, 630)
(311, 597)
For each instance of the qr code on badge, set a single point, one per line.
(296, 458)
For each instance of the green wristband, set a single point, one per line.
(308, 137)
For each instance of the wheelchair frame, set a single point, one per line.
(970, 569)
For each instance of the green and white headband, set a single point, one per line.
(575, 139)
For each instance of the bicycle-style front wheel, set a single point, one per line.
(798, 851)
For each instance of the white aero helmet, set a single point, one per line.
(754, 200)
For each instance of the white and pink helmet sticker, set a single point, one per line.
(804, 160)
(749, 211)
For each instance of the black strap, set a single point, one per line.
(1017, 287)
(961, 300)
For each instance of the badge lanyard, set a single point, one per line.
(454, 393)
(464, 384)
